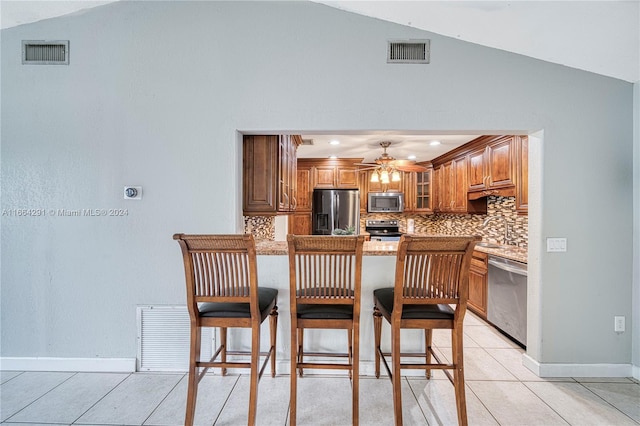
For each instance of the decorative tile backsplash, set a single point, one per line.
(459, 224)
(503, 209)
(262, 227)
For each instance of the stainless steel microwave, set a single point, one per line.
(385, 202)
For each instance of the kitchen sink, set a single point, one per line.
(487, 244)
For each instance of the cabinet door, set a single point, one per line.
(421, 191)
(324, 176)
(501, 163)
(459, 185)
(522, 167)
(478, 284)
(300, 223)
(284, 171)
(363, 177)
(346, 177)
(261, 182)
(477, 172)
(409, 189)
(304, 189)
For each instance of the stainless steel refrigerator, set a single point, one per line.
(336, 209)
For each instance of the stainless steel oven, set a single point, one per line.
(507, 297)
(383, 230)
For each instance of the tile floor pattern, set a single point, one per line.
(500, 391)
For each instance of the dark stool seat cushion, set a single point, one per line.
(384, 298)
(325, 311)
(266, 300)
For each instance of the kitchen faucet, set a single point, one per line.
(507, 233)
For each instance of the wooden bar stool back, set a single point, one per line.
(325, 275)
(222, 291)
(432, 274)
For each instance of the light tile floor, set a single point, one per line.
(500, 391)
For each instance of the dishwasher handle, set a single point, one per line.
(507, 267)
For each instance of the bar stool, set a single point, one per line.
(325, 274)
(431, 274)
(222, 291)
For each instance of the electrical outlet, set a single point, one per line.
(618, 326)
(556, 245)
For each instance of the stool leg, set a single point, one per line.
(397, 377)
(223, 352)
(428, 334)
(350, 351)
(273, 327)
(377, 332)
(458, 374)
(300, 349)
(356, 375)
(192, 387)
(255, 367)
(293, 376)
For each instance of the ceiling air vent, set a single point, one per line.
(41, 52)
(307, 141)
(408, 52)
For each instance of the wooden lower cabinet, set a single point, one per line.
(477, 301)
(300, 223)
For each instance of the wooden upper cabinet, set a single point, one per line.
(419, 197)
(304, 188)
(459, 185)
(522, 183)
(269, 174)
(342, 173)
(493, 166)
(324, 176)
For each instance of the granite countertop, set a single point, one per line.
(389, 248)
(518, 254)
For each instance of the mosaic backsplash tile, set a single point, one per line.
(505, 227)
(262, 227)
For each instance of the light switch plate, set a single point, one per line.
(556, 245)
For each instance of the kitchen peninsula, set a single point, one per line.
(389, 248)
(377, 271)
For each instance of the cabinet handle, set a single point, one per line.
(295, 202)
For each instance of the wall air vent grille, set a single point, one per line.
(307, 141)
(41, 52)
(408, 52)
(163, 339)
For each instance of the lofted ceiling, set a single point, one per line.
(602, 37)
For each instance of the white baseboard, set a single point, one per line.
(111, 365)
(636, 372)
(578, 370)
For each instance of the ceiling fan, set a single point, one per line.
(388, 168)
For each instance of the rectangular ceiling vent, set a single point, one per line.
(42, 52)
(307, 141)
(408, 52)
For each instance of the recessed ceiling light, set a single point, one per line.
(434, 143)
(412, 157)
(333, 157)
(334, 142)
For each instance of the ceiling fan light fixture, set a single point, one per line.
(384, 176)
(374, 177)
(395, 176)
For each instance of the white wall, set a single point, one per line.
(635, 328)
(155, 95)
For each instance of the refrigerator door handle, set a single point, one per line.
(336, 207)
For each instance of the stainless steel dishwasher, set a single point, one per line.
(507, 297)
